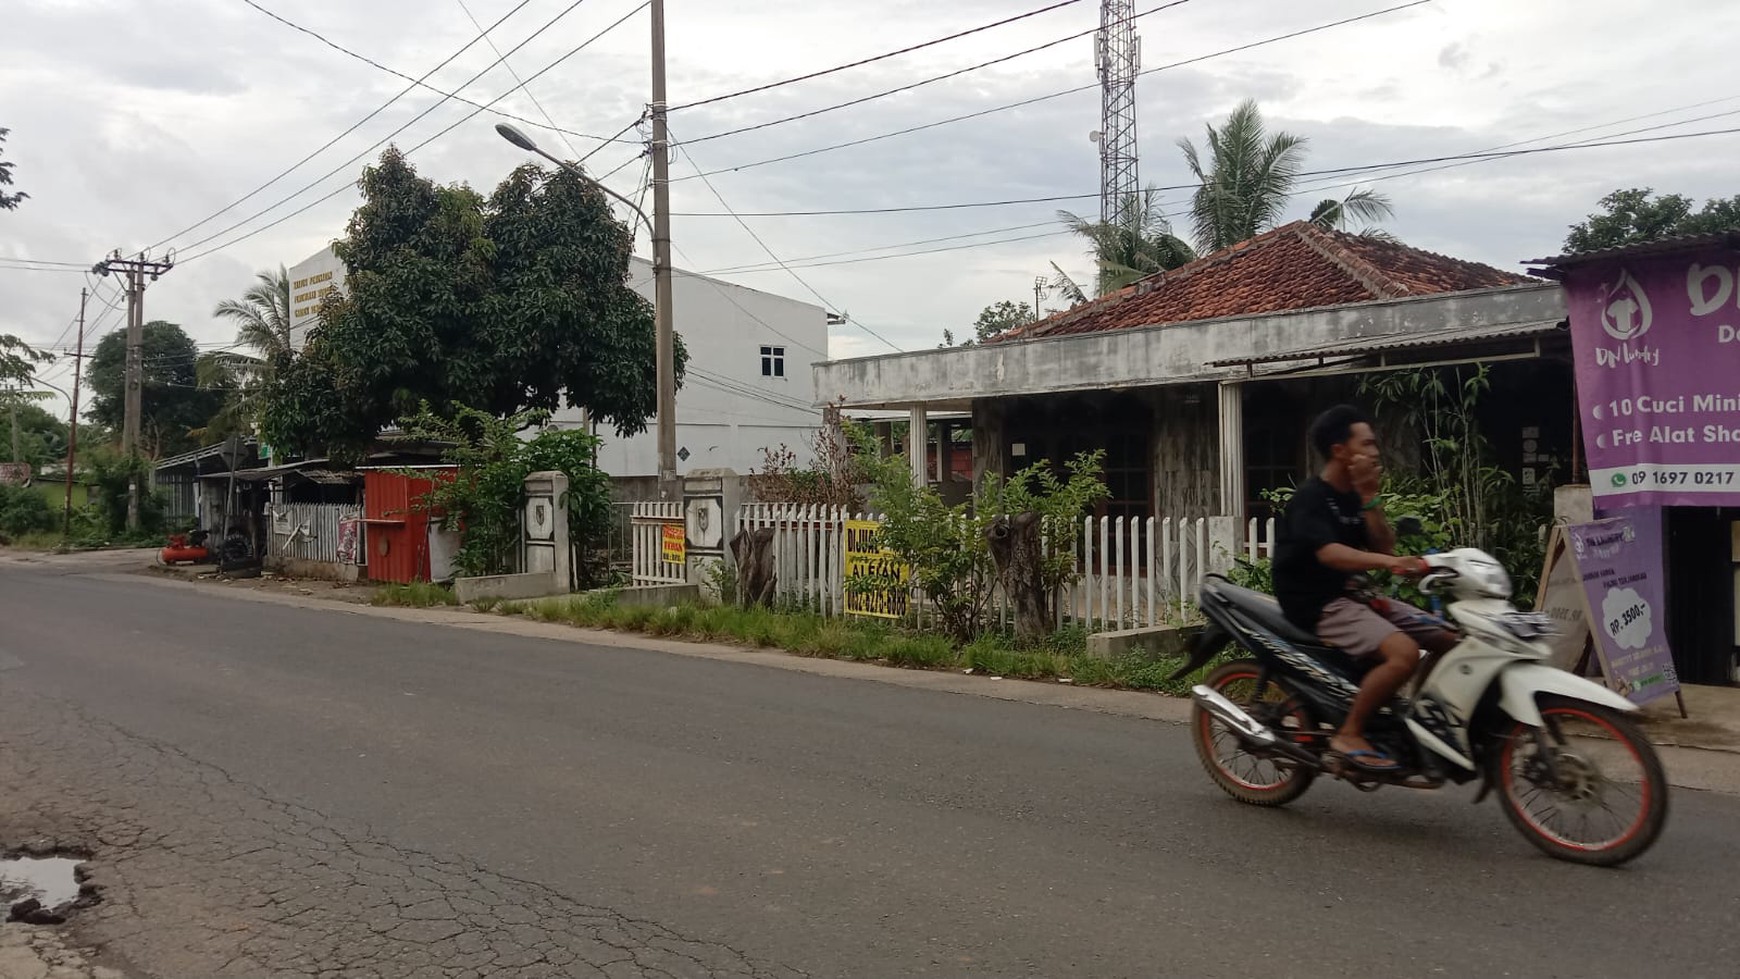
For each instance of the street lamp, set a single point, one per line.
(666, 344)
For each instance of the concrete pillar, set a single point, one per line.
(988, 441)
(710, 506)
(1232, 450)
(546, 529)
(918, 445)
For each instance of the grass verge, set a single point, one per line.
(417, 594)
(1060, 657)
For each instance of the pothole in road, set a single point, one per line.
(41, 890)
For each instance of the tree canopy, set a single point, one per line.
(8, 201)
(504, 303)
(1134, 247)
(173, 405)
(1638, 215)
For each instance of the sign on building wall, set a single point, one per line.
(866, 563)
(673, 543)
(1605, 585)
(1657, 349)
(311, 281)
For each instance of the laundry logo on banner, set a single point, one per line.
(1626, 315)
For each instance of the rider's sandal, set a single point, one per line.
(1354, 758)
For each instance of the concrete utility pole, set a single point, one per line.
(137, 270)
(670, 487)
(72, 428)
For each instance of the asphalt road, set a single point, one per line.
(735, 819)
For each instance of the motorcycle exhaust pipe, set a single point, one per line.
(1233, 716)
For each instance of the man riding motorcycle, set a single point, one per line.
(1334, 528)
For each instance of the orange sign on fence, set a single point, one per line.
(673, 543)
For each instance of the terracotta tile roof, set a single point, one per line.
(1295, 266)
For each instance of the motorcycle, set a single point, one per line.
(1575, 776)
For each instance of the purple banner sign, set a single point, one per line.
(1657, 348)
(1620, 563)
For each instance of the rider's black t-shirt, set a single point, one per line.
(1317, 515)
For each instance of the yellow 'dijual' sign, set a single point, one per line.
(865, 561)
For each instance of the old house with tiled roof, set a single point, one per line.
(1199, 382)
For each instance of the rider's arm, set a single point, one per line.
(1378, 531)
(1354, 561)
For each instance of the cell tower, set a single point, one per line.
(1118, 57)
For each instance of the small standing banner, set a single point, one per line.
(674, 543)
(1602, 584)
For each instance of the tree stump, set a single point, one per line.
(1014, 542)
(756, 574)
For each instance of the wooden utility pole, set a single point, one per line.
(137, 270)
(669, 486)
(72, 428)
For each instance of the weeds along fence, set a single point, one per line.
(1130, 572)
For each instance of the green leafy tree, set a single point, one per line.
(484, 501)
(503, 304)
(1134, 247)
(1246, 178)
(41, 436)
(18, 364)
(173, 405)
(8, 201)
(994, 321)
(262, 321)
(1638, 215)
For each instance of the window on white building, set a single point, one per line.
(772, 361)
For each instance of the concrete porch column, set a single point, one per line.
(1232, 450)
(918, 444)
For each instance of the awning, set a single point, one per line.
(1387, 342)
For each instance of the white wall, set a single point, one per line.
(727, 411)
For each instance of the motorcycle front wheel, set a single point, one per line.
(1258, 780)
(1585, 787)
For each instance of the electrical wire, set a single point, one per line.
(763, 266)
(770, 254)
(351, 129)
(924, 81)
(1055, 95)
(382, 141)
(871, 60)
(472, 115)
(484, 33)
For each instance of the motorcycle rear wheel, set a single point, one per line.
(1611, 762)
(1249, 778)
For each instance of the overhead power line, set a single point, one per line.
(1361, 168)
(758, 266)
(1054, 95)
(351, 129)
(826, 304)
(470, 116)
(925, 81)
(861, 62)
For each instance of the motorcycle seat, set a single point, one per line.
(1266, 613)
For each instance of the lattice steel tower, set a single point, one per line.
(1118, 57)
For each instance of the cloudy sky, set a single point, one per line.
(140, 125)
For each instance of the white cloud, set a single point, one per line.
(127, 128)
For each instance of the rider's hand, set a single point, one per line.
(1367, 474)
(1407, 567)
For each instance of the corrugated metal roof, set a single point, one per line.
(1384, 342)
(1662, 246)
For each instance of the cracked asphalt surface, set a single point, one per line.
(274, 791)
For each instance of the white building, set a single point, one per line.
(748, 385)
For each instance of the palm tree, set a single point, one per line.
(262, 316)
(1134, 247)
(1244, 185)
(1248, 178)
(1366, 206)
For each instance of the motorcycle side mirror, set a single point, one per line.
(1410, 527)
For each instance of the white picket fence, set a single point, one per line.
(646, 528)
(1132, 572)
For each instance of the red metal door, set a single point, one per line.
(398, 527)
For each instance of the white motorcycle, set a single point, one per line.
(1575, 776)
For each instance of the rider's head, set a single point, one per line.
(1342, 433)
